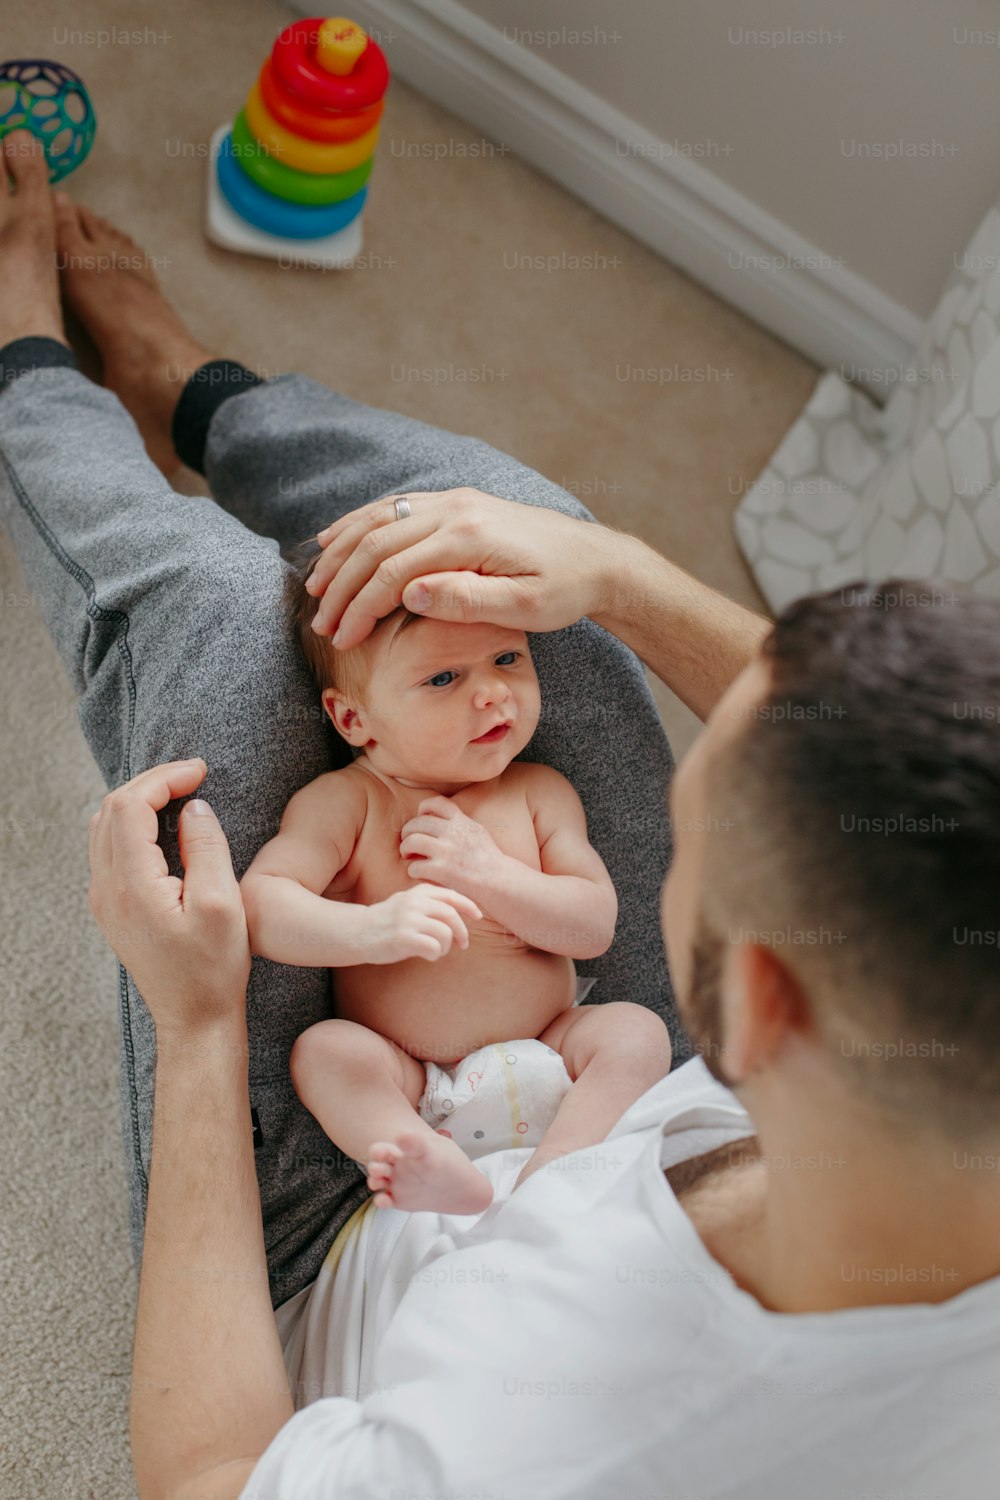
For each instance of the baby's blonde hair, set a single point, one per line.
(346, 671)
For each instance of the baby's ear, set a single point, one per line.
(345, 719)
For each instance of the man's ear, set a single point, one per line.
(763, 1006)
(347, 721)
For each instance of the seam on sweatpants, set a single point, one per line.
(120, 618)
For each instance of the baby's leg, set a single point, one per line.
(364, 1089)
(613, 1053)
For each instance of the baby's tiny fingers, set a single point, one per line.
(444, 912)
(427, 947)
(461, 903)
(441, 930)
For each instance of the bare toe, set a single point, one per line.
(29, 289)
(24, 159)
(385, 1151)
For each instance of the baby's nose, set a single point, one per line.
(495, 690)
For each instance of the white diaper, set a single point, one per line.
(501, 1096)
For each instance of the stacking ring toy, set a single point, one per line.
(294, 221)
(293, 59)
(314, 124)
(305, 156)
(295, 187)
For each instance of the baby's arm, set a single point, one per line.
(569, 906)
(291, 921)
(288, 918)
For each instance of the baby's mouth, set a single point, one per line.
(494, 735)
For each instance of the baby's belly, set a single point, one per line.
(442, 1011)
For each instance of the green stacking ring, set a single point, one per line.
(288, 183)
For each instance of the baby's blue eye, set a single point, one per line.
(507, 658)
(442, 679)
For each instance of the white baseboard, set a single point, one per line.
(668, 201)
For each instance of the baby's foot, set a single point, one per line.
(426, 1170)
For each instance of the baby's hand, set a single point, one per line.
(419, 923)
(443, 844)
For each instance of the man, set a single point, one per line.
(692, 1312)
(692, 1308)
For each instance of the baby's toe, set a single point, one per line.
(412, 1143)
(385, 1151)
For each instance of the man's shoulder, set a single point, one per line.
(688, 1091)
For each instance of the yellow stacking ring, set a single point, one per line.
(305, 156)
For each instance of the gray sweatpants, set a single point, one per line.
(166, 611)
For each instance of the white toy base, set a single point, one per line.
(224, 227)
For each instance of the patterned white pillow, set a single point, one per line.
(856, 490)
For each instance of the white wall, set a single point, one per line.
(784, 124)
(817, 165)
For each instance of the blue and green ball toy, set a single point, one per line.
(49, 100)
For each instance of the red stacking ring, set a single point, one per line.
(314, 124)
(293, 59)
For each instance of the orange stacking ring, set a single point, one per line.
(321, 157)
(314, 124)
(293, 58)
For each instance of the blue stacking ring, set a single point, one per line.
(294, 221)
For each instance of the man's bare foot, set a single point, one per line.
(29, 286)
(426, 1170)
(148, 354)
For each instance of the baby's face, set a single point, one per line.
(449, 703)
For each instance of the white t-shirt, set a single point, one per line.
(576, 1341)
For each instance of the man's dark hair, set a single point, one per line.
(865, 794)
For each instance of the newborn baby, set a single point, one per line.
(451, 888)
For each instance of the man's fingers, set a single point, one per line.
(371, 582)
(470, 597)
(208, 864)
(127, 827)
(337, 549)
(369, 514)
(344, 546)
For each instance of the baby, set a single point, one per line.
(451, 888)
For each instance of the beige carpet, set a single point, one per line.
(446, 286)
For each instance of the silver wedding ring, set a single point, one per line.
(402, 507)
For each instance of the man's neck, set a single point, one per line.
(847, 1218)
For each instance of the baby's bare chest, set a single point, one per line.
(377, 868)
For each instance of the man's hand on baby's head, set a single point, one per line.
(420, 923)
(445, 845)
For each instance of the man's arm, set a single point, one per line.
(209, 1388)
(696, 640)
(465, 555)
